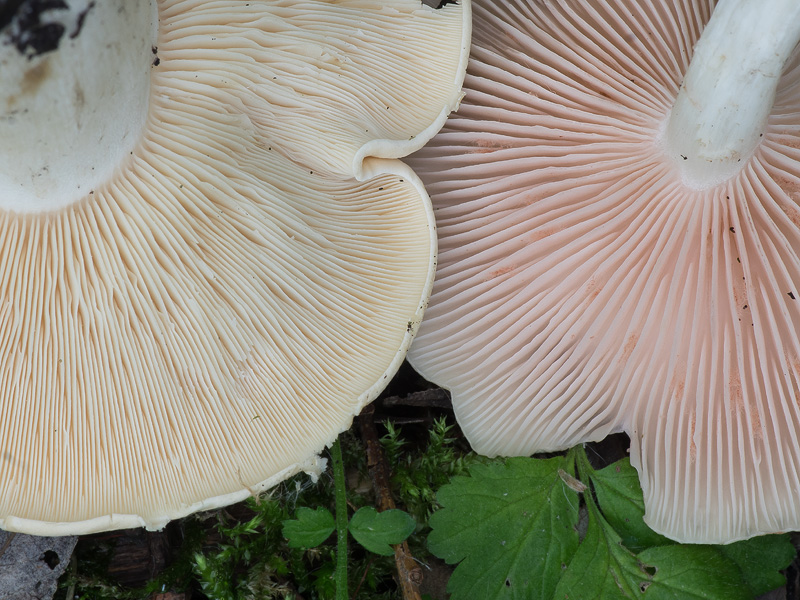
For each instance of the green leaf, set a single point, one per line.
(376, 531)
(512, 527)
(324, 582)
(693, 572)
(602, 569)
(760, 559)
(620, 498)
(310, 528)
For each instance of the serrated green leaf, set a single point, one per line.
(760, 559)
(378, 531)
(620, 498)
(512, 527)
(310, 528)
(602, 569)
(685, 572)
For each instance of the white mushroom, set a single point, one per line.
(209, 258)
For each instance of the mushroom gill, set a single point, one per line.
(235, 262)
(588, 285)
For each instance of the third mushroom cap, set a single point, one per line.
(618, 201)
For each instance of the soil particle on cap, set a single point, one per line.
(79, 22)
(33, 27)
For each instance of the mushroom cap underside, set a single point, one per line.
(583, 289)
(201, 325)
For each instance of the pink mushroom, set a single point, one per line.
(617, 202)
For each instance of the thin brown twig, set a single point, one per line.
(409, 572)
(363, 577)
(7, 543)
(432, 398)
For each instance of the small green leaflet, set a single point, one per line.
(512, 527)
(687, 572)
(378, 531)
(602, 568)
(373, 530)
(759, 560)
(619, 495)
(310, 528)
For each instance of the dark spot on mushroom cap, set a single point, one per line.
(21, 22)
(7, 11)
(34, 77)
(437, 4)
(32, 32)
(79, 23)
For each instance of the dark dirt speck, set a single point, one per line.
(33, 26)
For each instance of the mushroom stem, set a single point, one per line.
(729, 88)
(74, 97)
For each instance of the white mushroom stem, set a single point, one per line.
(728, 91)
(70, 116)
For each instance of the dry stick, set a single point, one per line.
(409, 572)
(363, 577)
(432, 398)
(7, 543)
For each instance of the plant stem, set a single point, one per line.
(408, 572)
(340, 495)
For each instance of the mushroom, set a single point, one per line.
(210, 257)
(619, 234)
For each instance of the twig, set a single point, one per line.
(7, 543)
(409, 573)
(363, 577)
(432, 398)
